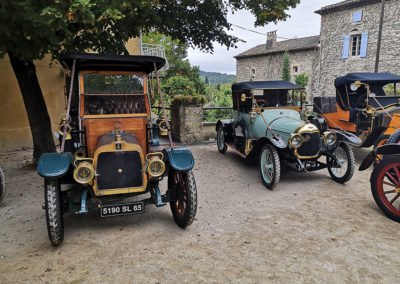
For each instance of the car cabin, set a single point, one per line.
(111, 94)
(268, 95)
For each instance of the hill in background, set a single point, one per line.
(215, 77)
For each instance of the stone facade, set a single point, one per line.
(264, 62)
(337, 23)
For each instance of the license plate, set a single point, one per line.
(122, 209)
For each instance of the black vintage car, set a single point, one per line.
(110, 151)
(366, 104)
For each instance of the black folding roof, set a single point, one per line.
(265, 85)
(112, 62)
(370, 78)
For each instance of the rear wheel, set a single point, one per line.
(385, 186)
(2, 184)
(270, 167)
(183, 192)
(54, 218)
(345, 157)
(221, 140)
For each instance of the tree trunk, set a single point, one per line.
(35, 106)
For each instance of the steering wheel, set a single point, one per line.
(261, 102)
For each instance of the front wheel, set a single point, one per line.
(345, 157)
(54, 218)
(2, 184)
(221, 140)
(385, 186)
(270, 167)
(183, 192)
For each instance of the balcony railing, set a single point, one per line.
(154, 50)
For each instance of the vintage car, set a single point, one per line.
(385, 177)
(267, 125)
(2, 184)
(110, 150)
(366, 104)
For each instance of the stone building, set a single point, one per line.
(349, 33)
(264, 61)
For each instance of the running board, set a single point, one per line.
(236, 150)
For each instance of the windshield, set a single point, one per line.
(113, 94)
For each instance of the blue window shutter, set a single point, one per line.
(357, 16)
(346, 43)
(364, 44)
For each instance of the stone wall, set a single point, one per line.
(187, 125)
(269, 67)
(335, 26)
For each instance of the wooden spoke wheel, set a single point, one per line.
(183, 194)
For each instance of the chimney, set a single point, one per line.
(271, 40)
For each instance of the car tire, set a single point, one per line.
(394, 138)
(54, 217)
(2, 185)
(386, 196)
(270, 166)
(221, 140)
(183, 193)
(345, 156)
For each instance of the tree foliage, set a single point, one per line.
(286, 66)
(302, 80)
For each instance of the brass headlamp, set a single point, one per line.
(84, 172)
(155, 165)
(163, 128)
(329, 138)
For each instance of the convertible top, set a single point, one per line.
(112, 62)
(265, 85)
(370, 78)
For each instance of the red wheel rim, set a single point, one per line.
(388, 185)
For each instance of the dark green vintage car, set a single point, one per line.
(110, 151)
(267, 125)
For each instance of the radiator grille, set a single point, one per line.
(119, 169)
(311, 146)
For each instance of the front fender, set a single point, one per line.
(387, 149)
(180, 159)
(54, 165)
(344, 136)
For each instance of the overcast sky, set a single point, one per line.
(303, 22)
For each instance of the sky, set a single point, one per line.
(303, 22)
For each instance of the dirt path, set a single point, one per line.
(309, 229)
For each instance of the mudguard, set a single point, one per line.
(224, 123)
(388, 149)
(54, 165)
(347, 137)
(180, 159)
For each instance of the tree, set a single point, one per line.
(30, 29)
(206, 81)
(286, 67)
(302, 80)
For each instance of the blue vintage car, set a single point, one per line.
(267, 125)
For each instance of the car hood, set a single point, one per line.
(283, 120)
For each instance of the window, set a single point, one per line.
(355, 45)
(295, 69)
(253, 73)
(357, 16)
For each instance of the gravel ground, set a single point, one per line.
(309, 229)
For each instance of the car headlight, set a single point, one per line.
(330, 138)
(155, 165)
(84, 173)
(296, 140)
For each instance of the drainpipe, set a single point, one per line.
(378, 48)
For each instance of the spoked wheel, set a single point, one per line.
(385, 186)
(345, 157)
(221, 140)
(2, 184)
(270, 168)
(54, 215)
(183, 192)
